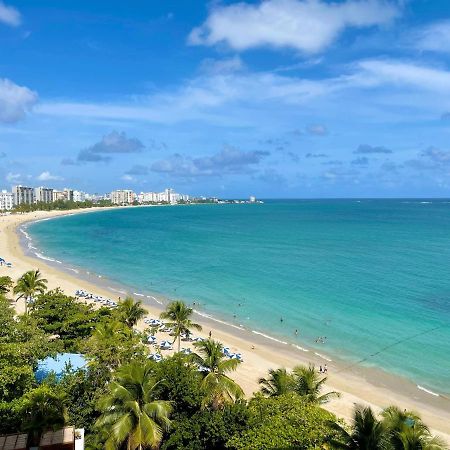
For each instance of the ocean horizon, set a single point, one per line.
(362, 280)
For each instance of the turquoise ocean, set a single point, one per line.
(373, 276)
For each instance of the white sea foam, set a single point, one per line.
(427, 391)
(269, 337)
(116, 290)
(300, 348)
(42, 220)
(138, 295)
(73, 270)
(323, 357)
(25, 234)
(217, 320)
(41, 256)
(153, 298)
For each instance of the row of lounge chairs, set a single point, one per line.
(96, 298)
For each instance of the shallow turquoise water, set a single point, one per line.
(365, 274)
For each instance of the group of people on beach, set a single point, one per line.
(323, 369)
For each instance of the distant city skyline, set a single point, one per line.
(274, 98)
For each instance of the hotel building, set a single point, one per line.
(6, 200)
(43, 195)
(23, 195)
(122, 197)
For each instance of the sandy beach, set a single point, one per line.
(358, 385)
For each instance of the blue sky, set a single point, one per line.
(279, 98)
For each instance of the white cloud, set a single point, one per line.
(200, 98)
(13, 177)
(127, 177)
(9, 15)
(305, 25)
(221, 66)
(435, 37)
(242, 99)
(47, 176)
(15, 101)
(377, 72)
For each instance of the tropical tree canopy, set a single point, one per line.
(219, 388)
(130, 311)
(179, 316)
(43, 410)
(308, 384)
(367, 432)
(113, 344)
(5, 284)
(278, 382)
(284, 422)
(407, 431)
(131, 414)
(30, 284)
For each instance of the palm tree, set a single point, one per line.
(131, 414)
(367, 432)
(278, 382)
(30, 284)
(130, 311)
(408, 432)
(308, 385)
(179, 315)
(218, 387)
(43, 410)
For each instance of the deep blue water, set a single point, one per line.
(367, 274)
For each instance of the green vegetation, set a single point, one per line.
(131, 312)
(62, 205)
(5, 285)
(179, 317)
(126, 401)
(219, 389)
(131, 413)
(304, 381)
(28, 285)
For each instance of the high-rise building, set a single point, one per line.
(23, 195)
(58, 195)
(68, 194)
(6, 200)
(79, 196)
(122, 197)
(42, 194)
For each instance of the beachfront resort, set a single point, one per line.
(25, 195)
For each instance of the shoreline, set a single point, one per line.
(357, 385)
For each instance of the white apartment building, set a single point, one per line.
(79, 196)
(58, 195)
(6, 200)
(148, 197)
(23, 195)
(42, 194)
(168, 196)
(122, 197)
(68, 194)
